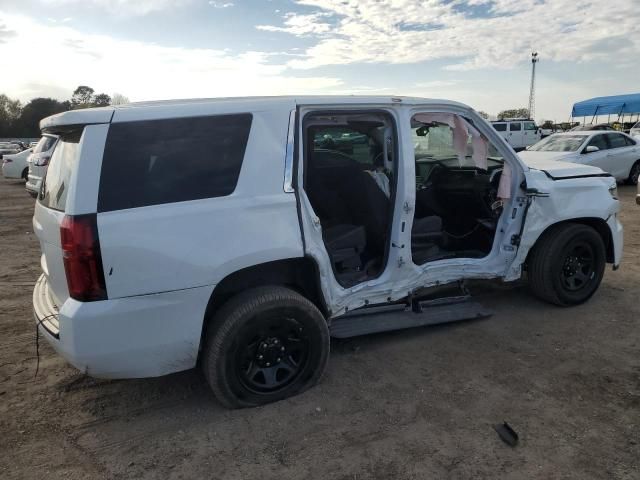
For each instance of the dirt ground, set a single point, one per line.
(414, 404)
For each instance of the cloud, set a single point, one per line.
(123, 7)
(142, 71)
(5, 33)
(215, 4)
(471, 34)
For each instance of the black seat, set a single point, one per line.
(426, 238)
(345, 244)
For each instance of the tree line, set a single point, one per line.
(23, 121)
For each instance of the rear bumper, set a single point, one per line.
(134, 337)
(33, 184)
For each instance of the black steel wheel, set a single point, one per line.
(566, 265)
(578, 267)
(264, 345)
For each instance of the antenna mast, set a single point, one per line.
(532, 91)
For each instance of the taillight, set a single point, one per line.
(82, 258)
(42, 161)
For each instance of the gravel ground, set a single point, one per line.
(413, 404)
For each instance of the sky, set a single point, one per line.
(474, 51)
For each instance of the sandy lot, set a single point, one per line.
(413, 404)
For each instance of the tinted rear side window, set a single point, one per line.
(63, 162)
(616, 140)
(163, 161)
(515, 127)
(500, 127)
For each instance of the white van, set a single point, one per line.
(242, 233)
(518, 132)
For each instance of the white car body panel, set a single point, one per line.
(162, 262)
(37, 172)
(616, 161)
(14, 165)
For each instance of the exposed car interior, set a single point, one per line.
(350, 165)
(457, 204)
(349, 179)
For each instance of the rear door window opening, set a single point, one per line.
(350, 179)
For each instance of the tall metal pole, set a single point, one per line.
(532, 90)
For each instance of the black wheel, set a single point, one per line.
(264, 345)
(634, 173)
(25, 174)
(567, 264)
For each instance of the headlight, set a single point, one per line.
(613, 190)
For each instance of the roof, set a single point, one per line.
(208, 106)
(616, 104)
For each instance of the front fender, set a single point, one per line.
(580, 199)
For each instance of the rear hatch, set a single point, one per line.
(50, 211)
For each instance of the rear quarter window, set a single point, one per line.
(164, 161)
(64, 160)
(44, 144)
(500, 127)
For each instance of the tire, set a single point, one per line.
(264, 345)
(564, 249)
(25, 174)
(634, 173)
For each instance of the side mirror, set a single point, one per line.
(591, 149)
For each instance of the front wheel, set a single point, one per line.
(264, 345)
(634, 173)
(567, 264)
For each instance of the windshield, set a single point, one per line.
(636, 126)
(559, 143)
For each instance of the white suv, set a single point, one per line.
(518, 132)
(38, 163)
(243, 233)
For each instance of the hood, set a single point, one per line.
(552, 163)
(528, 155)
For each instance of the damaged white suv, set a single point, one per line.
(242, 233)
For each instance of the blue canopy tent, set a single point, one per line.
(616, 105)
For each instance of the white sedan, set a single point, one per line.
(613, 152)
(16, 166)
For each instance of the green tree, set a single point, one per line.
(484, 115)
(10, 111)
(36, 110)
(82, 97)
(514, 113)
(101, 100)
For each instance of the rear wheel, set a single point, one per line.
(264, 345)
(25, 174)
(567, 264)
(634, 173)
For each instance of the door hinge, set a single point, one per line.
(400, 262)
(406, 207)
(515, 240)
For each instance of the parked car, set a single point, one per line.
(8, 148)
(635, 130)
(592, 128)
(614, 152)
(518, 132)
(262, 244)
(16, 166)
(38, 163)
